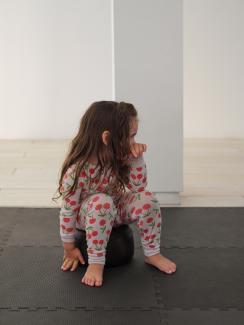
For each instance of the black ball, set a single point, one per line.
(120, 246)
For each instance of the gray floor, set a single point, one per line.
(207, 244)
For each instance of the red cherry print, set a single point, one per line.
(141, 222)
(101, 241)
(89, 236)
(95, 241)
(69, 229)
(146, 206)
(138, 211)
(132, 210)
(83, 174)
(95, 199)
(66, 219)
(105, 181)
(81, 184)
(76, 209)
(94, 233)
(158, 225)
(146, 238)
(139, 169)
(90, 205)
(92, 220)
(98, 207)
(148, 193)
(133, 176)
(102, 222)
(152, 236)
(139, 176)
(152, 246)
(140, 189)
(144, 179)
(72, 192)
(72, 202)
(145, 230)
(62, 226)
(67, 200)
(108, 231)
(92, 170)
(150, 219)
(106, 205)
(99, 254)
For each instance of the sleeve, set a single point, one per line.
(138, 174)
(69, 207)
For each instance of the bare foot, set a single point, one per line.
(93, 275)
(161, 262)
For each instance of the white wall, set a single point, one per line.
(55, 59)
(214, 68)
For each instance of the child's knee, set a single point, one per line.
(103, 199)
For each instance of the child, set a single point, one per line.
(102, 160)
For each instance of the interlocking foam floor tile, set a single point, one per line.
(202, 227)
(207, 244)
(31, 276)
(39, 317)
(204, 317)
(205, 278)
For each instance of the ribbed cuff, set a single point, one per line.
(68, 239)
(137, 161)
(151, 251)
(96, 259)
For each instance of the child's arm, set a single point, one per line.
(138, 174)
(69, 208)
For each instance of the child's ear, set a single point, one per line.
(105, 137)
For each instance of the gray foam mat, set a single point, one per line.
(117, 317)
(36, 227)
(35, 272)
(207, 244)
(78, 317)
(181, 227)
(209, 317)
(205, 278)
(203, 227)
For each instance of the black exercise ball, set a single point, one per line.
(120, 247)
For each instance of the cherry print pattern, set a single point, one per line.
(92, 209)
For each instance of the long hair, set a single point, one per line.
(99, 117)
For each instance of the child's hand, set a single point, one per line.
(71, 259)
(137, 149)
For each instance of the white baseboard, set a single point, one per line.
(168, 198)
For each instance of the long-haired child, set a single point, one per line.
(103, 185)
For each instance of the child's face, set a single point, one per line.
(133, 129)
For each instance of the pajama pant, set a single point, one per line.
(98, 214)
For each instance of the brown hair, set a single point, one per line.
(100, 116)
